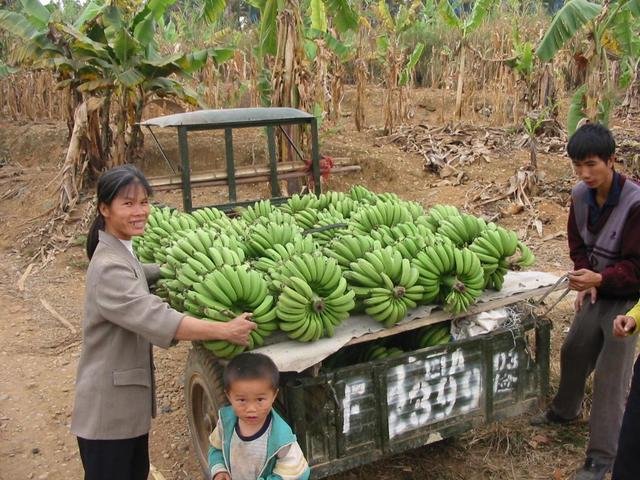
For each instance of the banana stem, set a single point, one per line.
(317, 303)
(399, 291)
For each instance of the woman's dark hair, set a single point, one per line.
(110, 184)
(591, 139)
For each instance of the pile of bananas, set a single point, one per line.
(314, 298)
(303, 267)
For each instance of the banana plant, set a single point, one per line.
(397, 64)
(328, 45)
(481, 9)
(611, 32)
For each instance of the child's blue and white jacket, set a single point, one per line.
(284, 457)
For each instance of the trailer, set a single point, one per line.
(346, 415)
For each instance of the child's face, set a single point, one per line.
(252, 400)
(594, 171)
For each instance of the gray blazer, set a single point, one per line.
(115, 387)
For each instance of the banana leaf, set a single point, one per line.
(36, 12)
(577, 109)
(480, 11)
(344, 17)
(212, 10)
(18, 25)
(318, 15)
(448, 14)
(90, 12)
(567, 22)
(385, 16)
(405, 75)
(7, 69)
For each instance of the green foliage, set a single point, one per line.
(577, 109)
(566, 23)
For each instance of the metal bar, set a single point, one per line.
(161, 150)
(186, 170)
(315, 156)
(295, 147)
(297, 412)
(243, 179)
(252, 124)
(382, 407)
(273, 163)
(543, 347)
(231, 172)
(487, 352)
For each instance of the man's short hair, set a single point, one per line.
(251, 366)
(591, 139)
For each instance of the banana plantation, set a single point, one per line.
(383, 186)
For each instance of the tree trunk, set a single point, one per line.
(460, 82)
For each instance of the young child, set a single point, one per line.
(251, 441)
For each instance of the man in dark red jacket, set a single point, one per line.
(604, 244)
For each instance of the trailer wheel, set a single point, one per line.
(204, 396)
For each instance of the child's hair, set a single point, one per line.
(251, 366)
(110, 185)
(591, 139)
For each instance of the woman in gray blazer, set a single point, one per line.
(115, 391)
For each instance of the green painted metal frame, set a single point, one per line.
(228, 127)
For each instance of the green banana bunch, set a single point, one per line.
(306, 315)
(259, 238)
(386, 284)
(493, 247)
(371, 217)
(322, 274)
(462, 229)
(438, 213)
(207, 216)
(431, 335)
(325, 200)
(275, 257)
(298, 203)
(449, 274)
(361, 194)
(259, 209)
(349, 248)
(306, 219)
(228, 292)
(380, 352)
(326, 229)
(344, 207)
(387, 197)
(276, 216)
(527, 258)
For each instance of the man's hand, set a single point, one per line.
(584, 279)
(222, 476)
(592, 292)
(237, 330)
(623, 325)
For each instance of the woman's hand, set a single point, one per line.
(623, 325)
(237, 330)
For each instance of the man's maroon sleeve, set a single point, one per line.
(577, 248)
(623, 278)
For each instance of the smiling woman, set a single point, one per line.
(115, 392)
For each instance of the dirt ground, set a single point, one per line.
(38, 354)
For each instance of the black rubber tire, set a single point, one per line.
(204, 396)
